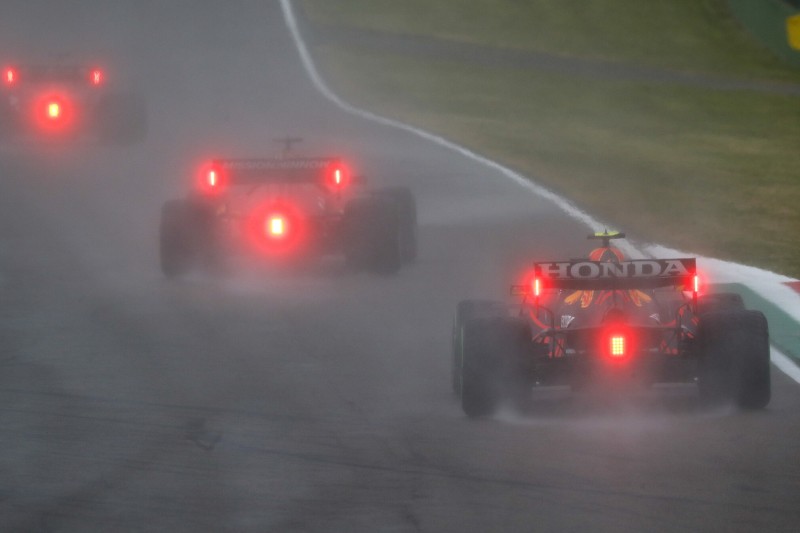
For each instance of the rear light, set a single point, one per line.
(695, 291)
(96, 76)
(211, 180)
(337, 178)
(10, 76)
(617, 345)
(276, 226)
(53, 114)
(536, 287)
(53, 110)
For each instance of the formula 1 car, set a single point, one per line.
(286, 208)
(607, 319)
(65, 103)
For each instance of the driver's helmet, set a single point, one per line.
(607, 254)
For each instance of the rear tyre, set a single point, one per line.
(734, 364)
(175, 250)
(493, 349)
(7, 123)
(721, 301)
(479, 387)
(187, 238)
(372, 234)
(406, 207)
(465, 311)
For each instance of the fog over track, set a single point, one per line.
(311, 402)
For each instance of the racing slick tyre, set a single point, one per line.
(7, 123)
(372, 232)
(406, 207)
(175, 253)
(734, 358)
(490, 372)
(720, 301)
(186, 238)
(465, 310)
(121, 119)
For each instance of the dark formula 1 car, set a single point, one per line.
(286, 208)
(65, 103)
(606, 319)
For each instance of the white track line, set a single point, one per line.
(782, 361)
(785, 364)
(311, 69)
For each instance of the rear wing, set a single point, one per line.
(320, 170)
(23, 74)
(624, 275)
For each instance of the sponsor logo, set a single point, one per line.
(642, 268)
(272, 164)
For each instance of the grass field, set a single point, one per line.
(709, 171)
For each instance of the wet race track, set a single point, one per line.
(316, 400)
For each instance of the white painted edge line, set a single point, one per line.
(785, 364)
(569, 208)
(311, 69)
(769, 285)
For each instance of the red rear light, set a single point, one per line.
(536, 287)
(278, 229)
(96, 76)
(617, 345)
(696, 283)
(10, 76)
(54, 114)
(337, 178)
(53, 110)
(276, 225)
(211, 180)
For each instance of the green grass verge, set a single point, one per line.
(712, 172)
(690, 35)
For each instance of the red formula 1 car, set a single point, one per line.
(286, 208)
(606, 319)
(65, 103)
